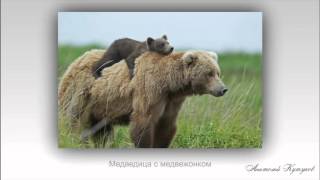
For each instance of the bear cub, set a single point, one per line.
(130, 49)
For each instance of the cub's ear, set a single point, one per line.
(150, 41)
(213, 55)
(165, 37)
(190, 57)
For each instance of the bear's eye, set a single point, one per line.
(210, 73)
(161, 45)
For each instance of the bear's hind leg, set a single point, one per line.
(100, 131)
(102, 136)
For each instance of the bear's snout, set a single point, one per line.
(219, 91)
(169, 50)
(223, 91)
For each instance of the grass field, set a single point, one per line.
(231, 121)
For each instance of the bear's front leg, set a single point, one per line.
(142, 134)
(131, 64)
(164, 134)
(166, 127)
(143, 124)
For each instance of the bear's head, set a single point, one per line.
(160, 45)
(202, 73)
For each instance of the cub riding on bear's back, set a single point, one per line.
(129, 50)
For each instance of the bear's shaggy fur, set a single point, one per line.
(152, 98)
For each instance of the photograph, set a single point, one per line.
(160, 90)
(160, 80)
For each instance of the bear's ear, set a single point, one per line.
(165, 37)
(150, 41)
(213, 55)
(190, 58)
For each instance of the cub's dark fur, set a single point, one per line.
(130, 49)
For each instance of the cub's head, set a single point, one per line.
(202, 73)
(160, 45)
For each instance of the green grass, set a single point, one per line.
(231, 121)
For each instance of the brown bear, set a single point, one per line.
(152, 99)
